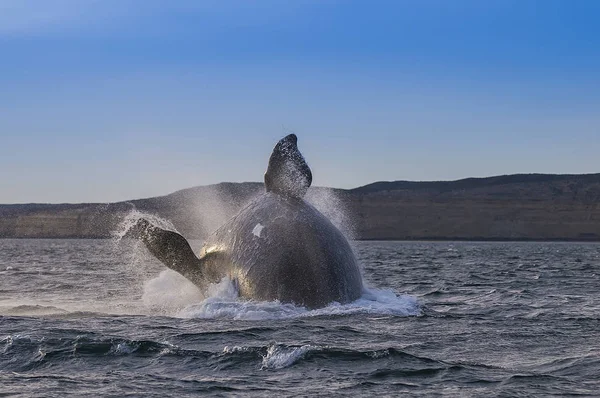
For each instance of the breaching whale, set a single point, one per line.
(278, 247)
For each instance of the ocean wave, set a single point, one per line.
(25, 353)
(279, 357)
(367, 364)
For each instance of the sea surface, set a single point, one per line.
(101, 318)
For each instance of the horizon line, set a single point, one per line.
(315, 186)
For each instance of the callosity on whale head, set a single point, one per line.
(278, 247)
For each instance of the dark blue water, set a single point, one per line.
(88, 317)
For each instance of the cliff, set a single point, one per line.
(513, 207)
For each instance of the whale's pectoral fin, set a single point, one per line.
(172, 249)
(215, 265)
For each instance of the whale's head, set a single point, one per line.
(287, 173)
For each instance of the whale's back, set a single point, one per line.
(282, 248)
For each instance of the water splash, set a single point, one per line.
(328, 202)
(130, 220)
(169, 292)
(214, 206)
(223, 303)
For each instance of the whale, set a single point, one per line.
(277, 248)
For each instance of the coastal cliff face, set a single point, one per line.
(517, 207)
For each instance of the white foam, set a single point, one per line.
(279, 357)
(223, 302)
(124, 348)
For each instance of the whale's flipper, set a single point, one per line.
(287, 173)
(172, 250)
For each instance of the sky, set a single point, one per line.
(110, 100)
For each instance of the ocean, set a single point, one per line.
(101, 318)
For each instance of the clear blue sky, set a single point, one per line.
(119, 99)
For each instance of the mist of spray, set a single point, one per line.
(162, 290)
(212, 207)
(327, 201)
(165, 292)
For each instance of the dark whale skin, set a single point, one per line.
(278, 247)
(282, 248)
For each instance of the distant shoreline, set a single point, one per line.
(509, 208)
